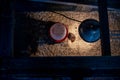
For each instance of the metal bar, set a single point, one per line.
(55, 2)
(104, 26)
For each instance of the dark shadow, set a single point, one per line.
(34, 6)
(29, 33)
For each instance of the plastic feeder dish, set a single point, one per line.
(58, 32)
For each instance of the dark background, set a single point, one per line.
(74, 67)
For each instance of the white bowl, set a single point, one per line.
(58, 32)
